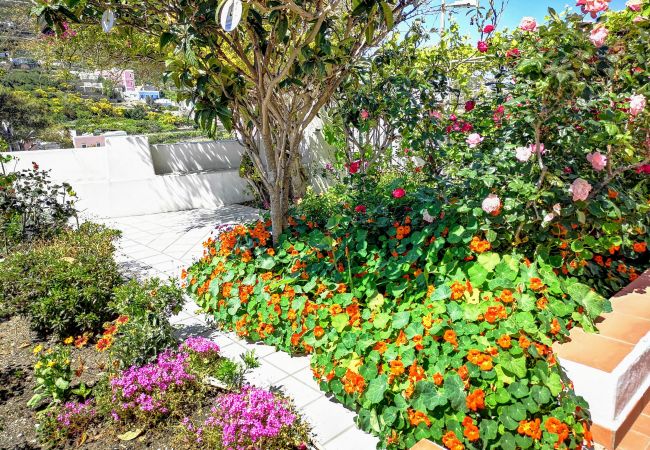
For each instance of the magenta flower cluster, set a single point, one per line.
(143, 388)
(72, 411)
(249, 416)
(199, 345)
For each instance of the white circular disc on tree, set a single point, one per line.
(108, 20)
(231, 11)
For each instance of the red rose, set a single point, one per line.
(360, 209)
(482, 46)
(470, 105)
(354, 166)
(399, 193)
(488, 29)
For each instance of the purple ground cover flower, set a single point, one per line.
(199, 345)
(75, 410)
(143, 388)
(249, 416)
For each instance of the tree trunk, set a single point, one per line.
(279, 208)
(298, 177)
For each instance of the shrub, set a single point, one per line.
(64, 285)
(32, 206)
(147, 308)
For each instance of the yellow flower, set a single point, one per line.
(38, 349)
(38, 365)
(51, 363)
(69, 340)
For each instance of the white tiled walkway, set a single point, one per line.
(161, 245)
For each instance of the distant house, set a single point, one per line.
(143, 94)
(128, 80)
(91, 140)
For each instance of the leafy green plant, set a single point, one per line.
(64, 285)
(32, 206)
(53, 375)
(147, 308)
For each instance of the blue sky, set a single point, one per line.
(516, 9)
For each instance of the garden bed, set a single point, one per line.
(18, 422)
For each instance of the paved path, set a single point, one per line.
(161, 245)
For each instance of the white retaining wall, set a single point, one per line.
(129, 177)
(121, 178)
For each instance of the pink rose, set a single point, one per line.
(470, 105)
(637, 104)
(435, 114)
(399, 193)
(634, 5)
(482, 46)
(354, 167)
(523, 154)
(599, 35)
(638, 19)
(453, 118)
(598, 161)
(491, 205)
(360, 209)
(644, 169)
(528, 24)
(474, 140)
(488, 29)
(580, 189)
(593, 7)
(365, 114)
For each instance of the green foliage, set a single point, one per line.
(53, 375)
(24, 118)
(148, 308)
(64, 285)
(406, 318)
(32, 206)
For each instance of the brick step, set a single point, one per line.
(611, 370)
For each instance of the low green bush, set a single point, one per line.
(145, 308)
(64, 285)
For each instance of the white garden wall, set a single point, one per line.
(121, 178)
(129, 177)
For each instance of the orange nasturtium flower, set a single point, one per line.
(457, 290)
(471, 431)
(555, 426)
(506, 296)
(450, 336)
(536, 284)
(319, 331)
(451, 441)
(479, 246)
(476, 400)
(640, 247)
(438, 379)
(504, 341)
(396, 367)
(530, 428)
(418, 417)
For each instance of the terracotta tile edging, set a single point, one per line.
(426, 444)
